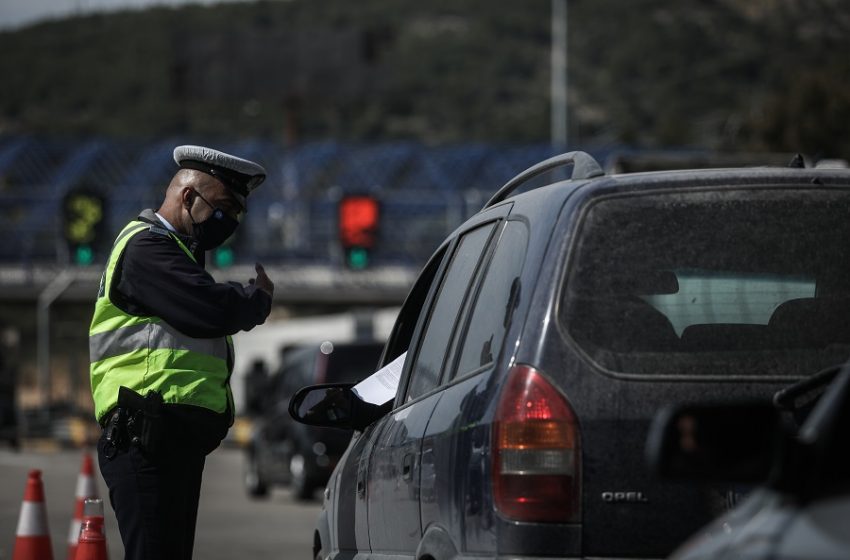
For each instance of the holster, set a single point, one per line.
(144, 422)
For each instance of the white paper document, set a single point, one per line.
(382, 385)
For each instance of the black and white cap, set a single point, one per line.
(240, 175)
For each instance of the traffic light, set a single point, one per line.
(84, 214)
(359, 217)
(223, 256)
(84, 255)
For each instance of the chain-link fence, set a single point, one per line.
(424, 193)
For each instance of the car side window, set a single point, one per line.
(298, 372)
(425, 372)
(408, 316)
(496, 300)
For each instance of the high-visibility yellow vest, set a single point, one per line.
(147, 354)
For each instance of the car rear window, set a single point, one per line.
(720, 282)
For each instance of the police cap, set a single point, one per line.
(240, 175)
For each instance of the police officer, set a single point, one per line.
(161, 352)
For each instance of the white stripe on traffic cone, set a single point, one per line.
(32, 539)
(86, 488)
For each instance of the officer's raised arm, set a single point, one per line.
(262, 281)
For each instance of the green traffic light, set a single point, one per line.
(84, 255)
(223, 257)
(358, 258)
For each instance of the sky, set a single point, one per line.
(19, 13)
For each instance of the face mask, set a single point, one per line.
(213, 231)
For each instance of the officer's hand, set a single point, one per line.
(263, 282)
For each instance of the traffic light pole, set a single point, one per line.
(45, 299)
(558, 89)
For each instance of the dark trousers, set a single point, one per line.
(155, 499)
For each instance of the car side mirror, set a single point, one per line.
(739, 443)
(329, 405)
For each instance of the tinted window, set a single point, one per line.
(425, 374)
(496, 301)
(298, 369)
(408, 316)
(721, 282)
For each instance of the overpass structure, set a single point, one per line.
(45, 310)
(312, 285)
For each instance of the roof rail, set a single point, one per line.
(584, 167)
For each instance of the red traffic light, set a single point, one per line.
(359, 216)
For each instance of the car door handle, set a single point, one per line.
(407, 466)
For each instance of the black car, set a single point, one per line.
(8, 406)
(547, 330)
(801, 508)
(285, 452)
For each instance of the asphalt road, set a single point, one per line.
(229, 524)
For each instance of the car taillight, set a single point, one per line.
(536, 455)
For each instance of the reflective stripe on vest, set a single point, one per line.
(146, 353)
(160, 336)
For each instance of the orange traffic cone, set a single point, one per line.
(86, 488)
(32, 541)
(92, 543)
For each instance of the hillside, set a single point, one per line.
(734, 74)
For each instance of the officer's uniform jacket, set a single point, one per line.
(162, 323)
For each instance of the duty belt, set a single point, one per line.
(136, 421)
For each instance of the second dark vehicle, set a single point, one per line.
(282, 451)
(795, 447)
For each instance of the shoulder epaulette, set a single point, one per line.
(159, 230)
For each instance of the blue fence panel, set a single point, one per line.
(425, 192)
